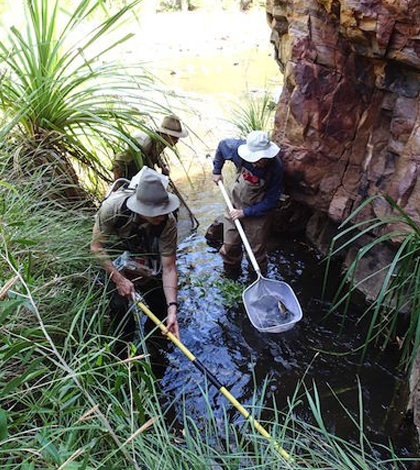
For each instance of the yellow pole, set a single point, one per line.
(212, 379)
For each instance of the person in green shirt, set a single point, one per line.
(139, 222)
(151, 149)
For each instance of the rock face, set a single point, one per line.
(348, 117)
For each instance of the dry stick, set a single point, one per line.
(68, 369)
(143, 428)
(88, 414)
(5, 289)
(135, 358)
(71, 458)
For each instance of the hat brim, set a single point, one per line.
(270, 152)
(153, 210)
(182, 133)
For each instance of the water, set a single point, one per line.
(208, 53)
(317, 349)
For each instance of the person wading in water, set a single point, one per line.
(141, 223)
(255, 192)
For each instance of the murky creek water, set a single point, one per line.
(242, 358)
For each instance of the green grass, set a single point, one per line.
(67, 402)
(398, 297)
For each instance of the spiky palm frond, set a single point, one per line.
(55, 80)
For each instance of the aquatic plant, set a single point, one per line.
(231, 291)
(398, 297)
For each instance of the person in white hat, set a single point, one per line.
(129, 162)
(139, 222)
(255, 192)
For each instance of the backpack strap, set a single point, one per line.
(123, 215)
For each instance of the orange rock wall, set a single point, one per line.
(348, 117)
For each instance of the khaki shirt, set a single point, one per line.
(135, 233)
(150, 149)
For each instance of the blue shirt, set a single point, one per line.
(272, 174)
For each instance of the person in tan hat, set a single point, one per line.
(127, 163)
(255, 192)
(140, 225)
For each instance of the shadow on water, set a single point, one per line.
(317, 349)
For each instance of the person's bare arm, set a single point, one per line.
(170, 288)
(124, 286)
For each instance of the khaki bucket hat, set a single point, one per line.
(151, 198)
(171, 125)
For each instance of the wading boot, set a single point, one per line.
(232, 271)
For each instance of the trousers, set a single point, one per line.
(256, 229)
(123, 321)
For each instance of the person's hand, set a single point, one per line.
(172, 321)
(124, 286)
(217, 178)
(236, 214)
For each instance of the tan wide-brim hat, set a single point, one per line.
(258, 146)
(151, 198)
(172, 125)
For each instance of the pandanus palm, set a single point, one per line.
(62, 105)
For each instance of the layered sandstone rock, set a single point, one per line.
(348, 117)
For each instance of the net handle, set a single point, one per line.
(240, 230)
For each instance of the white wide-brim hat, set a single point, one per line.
(151, 198)
(172, 125)
(258, 145)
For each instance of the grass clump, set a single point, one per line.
(398, 298)
(67, 402)
(254, 112)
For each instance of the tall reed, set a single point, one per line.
(398, 299)
(66, 402)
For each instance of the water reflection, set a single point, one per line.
(317, 349)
